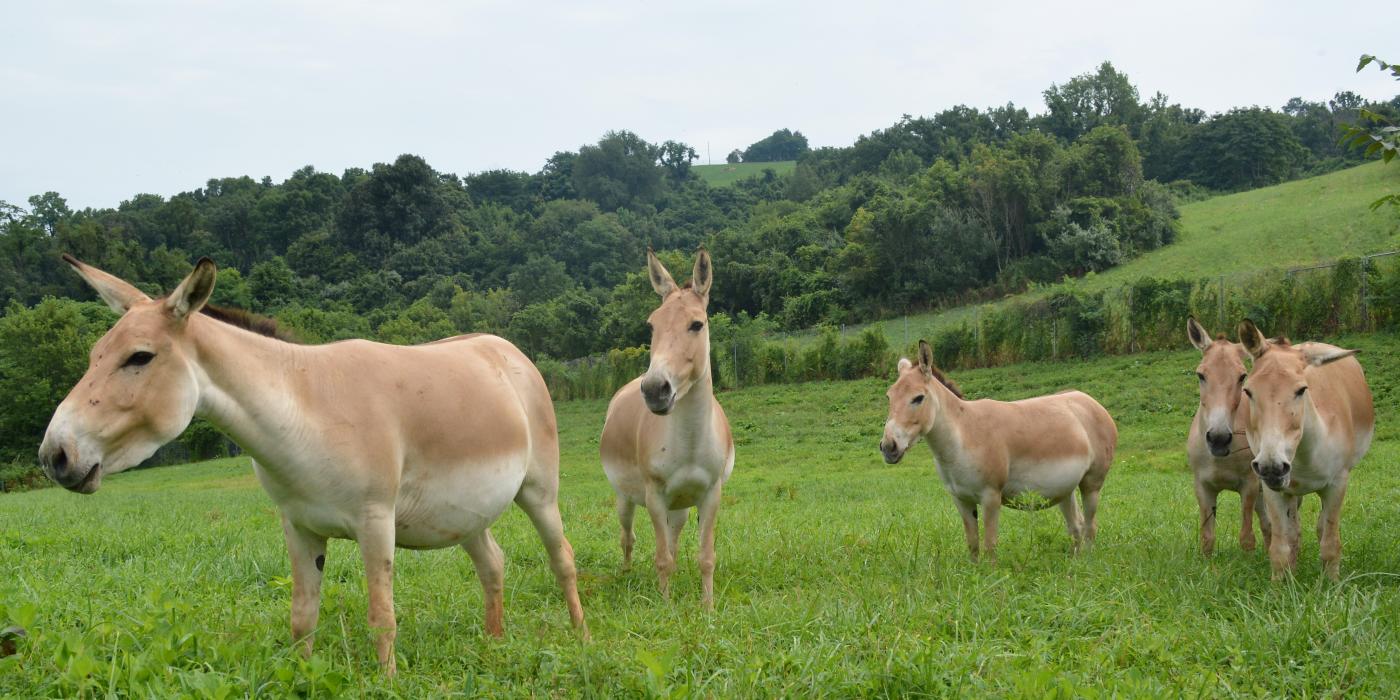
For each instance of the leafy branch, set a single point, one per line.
(1374, 133)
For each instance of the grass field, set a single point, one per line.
(1293, 224)
(726, 174)
(838, 576)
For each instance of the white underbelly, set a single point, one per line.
(1034, 485)
(453, 505)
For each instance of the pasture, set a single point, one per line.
(838, 575)
(721, 174)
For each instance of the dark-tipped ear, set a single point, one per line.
(926, 358)
(194, 291)
(703, 274)
(660, 279)
(1198, 334)
(119, 294)
(1252, 340)
(1320, 356)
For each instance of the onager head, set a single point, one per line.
(140, 390)
(913, 408)
(1221, 374)
(1278, 400)
(680, 336)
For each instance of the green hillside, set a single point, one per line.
(726, 174)
(1293, 224)
(838, 576)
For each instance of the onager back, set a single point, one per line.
(418, 447)
(1025, 454)
(666, 443)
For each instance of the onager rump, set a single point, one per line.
(1025, 454)
(1216, 447)
(666, 443)
(417, 447)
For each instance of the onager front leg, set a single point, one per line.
(1206, 500)
(707, 514)
(1283, 520)
(660, 523)
(968, 511)
(308, 554)
(1249, 495)
(376, 537)
(991, 515)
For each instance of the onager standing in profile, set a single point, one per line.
(1216, 446)
(1027, 454)
(1310, 421)
(418, 447)
(666, 443)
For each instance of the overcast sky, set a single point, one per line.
(100, 101)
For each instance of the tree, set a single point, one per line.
(620, 171)
(1243, 148)
(1090, 100)
(1382, 136)
(676, 158)
(734, 157)
(782, 144)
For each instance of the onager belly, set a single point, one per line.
(455, 503)
(1035, 485)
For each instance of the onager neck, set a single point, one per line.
(945, 435)
(693, 413)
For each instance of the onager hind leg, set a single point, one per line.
(626, 512)
(490, 569)
(542, 506)
(376, 537)
(1073, 526)
(1090, 497)
(991, 515)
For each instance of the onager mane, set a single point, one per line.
(248, 321)
(949, 384)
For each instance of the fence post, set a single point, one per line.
(1365, 309)
(736, 364)
(1054, 337)
(1132, 332)
(1220, 320)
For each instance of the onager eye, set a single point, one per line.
(695, 326)
(1248, 393)
(139, 358)
(1242, 378)
(917, 400)
(1201, 377)
(1299, 393)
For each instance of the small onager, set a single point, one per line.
(1310, 421)
(1027, 454)
(1216, 446)
(666, 444)
(418, 447)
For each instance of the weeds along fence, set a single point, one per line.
(1351, 295)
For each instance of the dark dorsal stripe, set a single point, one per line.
(248, 321)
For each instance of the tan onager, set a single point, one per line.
(666, 443)
(418, 447)
(1216, 447)
(1310, 421)
(1027, 454)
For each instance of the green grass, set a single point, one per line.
(726, 174)
(838, 576)
(1289, 225)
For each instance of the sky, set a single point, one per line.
(101, 101)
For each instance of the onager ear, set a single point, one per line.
(118, 293)
(926, 359)
(703, 274)
(194, 291)
(1319, 356)
(1198, 334)
(660, 279)
(1252, 340)
(904, 364)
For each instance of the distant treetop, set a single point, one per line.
(782, 144)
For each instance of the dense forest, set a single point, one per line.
(928, 210)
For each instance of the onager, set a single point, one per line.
(666, 444)
(1027, 454)
(418, 447)
(1310, 421)
(1216, 446)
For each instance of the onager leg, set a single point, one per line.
(543, 508)
(675, 522)
(1330, 542)
(660, 523)
(1248, 503)
(1206, 500)
(308, 554)
(490, 569)
(707, 514)
(1283, 519)
(1266, 530)
(1073, 526)
(991, 510)
(376, 538)
(968, 511)
(626, 511)
(1091, 511)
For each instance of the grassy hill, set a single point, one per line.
(1293, 224)
(838, 576)
(726, 174)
